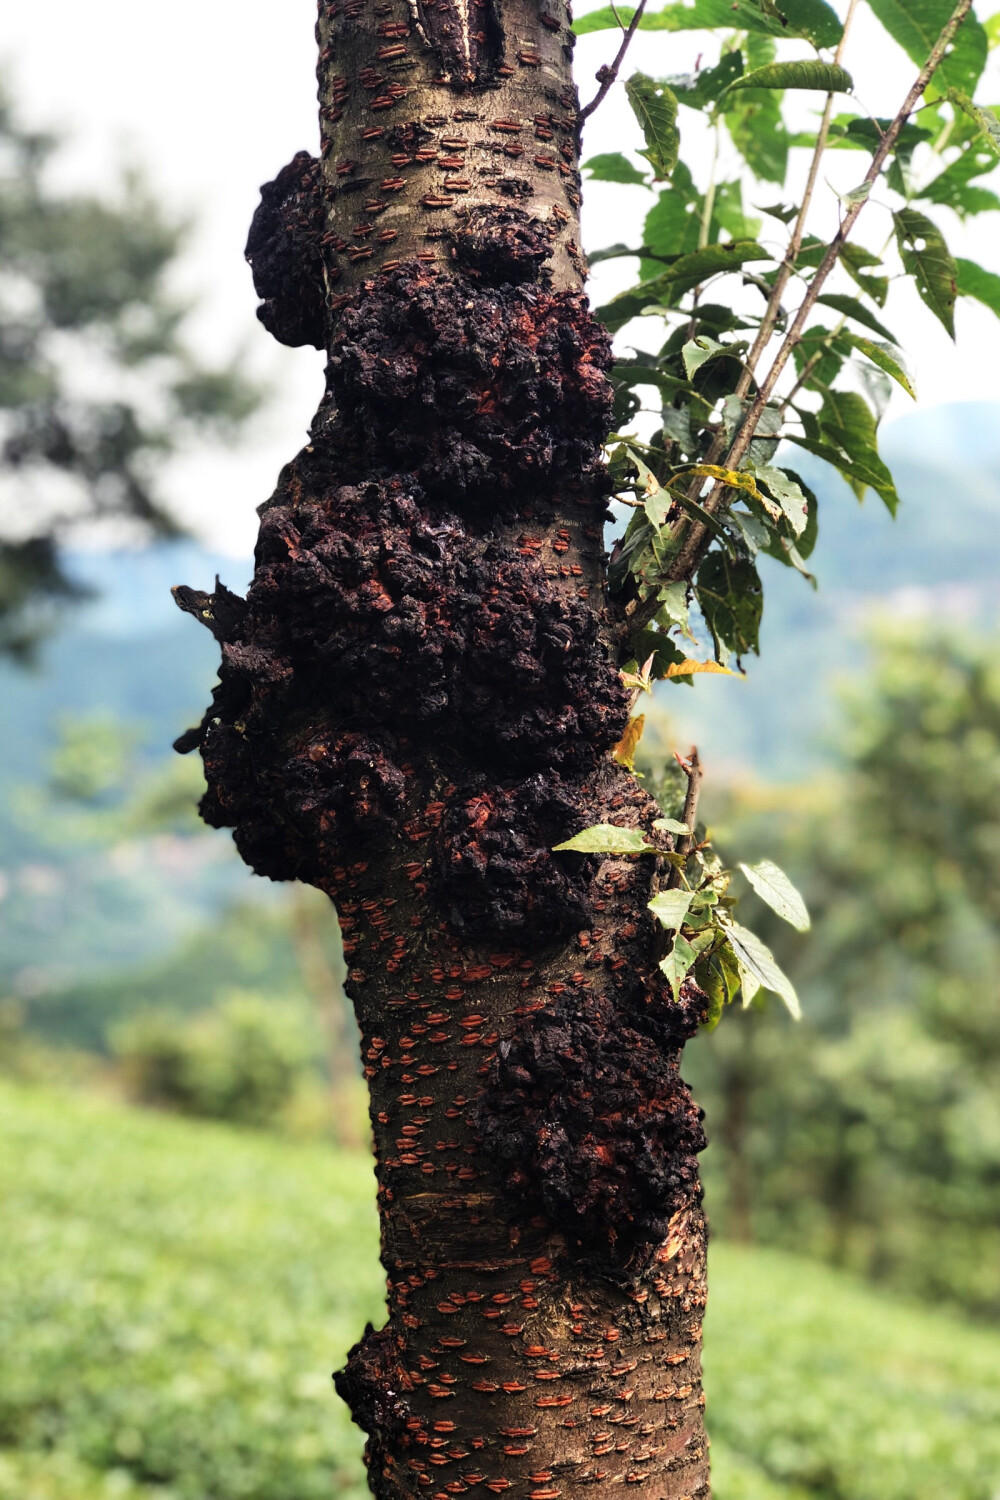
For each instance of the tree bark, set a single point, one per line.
(417, 700)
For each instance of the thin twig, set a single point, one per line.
(607, 75)
(692, 769)
(687, 558)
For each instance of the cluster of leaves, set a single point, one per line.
(696, 911)
(707, 372)
(97, 384)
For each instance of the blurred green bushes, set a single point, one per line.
(241, 1061)
(870, 1134)
(174, 1295)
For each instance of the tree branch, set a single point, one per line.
(607, 75)
(692, 769)
(687, 558)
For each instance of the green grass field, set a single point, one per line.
(173, 1297)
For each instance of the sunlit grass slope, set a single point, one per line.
(173, 1297)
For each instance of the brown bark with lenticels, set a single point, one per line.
(417, 700)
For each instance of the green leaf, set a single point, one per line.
(786, 490)
(607, 838)
(679, 961)
(804, 74)
(718, 973)
(916, 26)
(850, 307)
(687, 272)
(887, 357)
(696, 90)
(670, 908)
(697, 351)
(773, 886)
(758, 131)
(859, 263)
(731, 599)
(759, 962)
(847, 420)
(613, 167)
(975, 281)
(813, 20)
(655, 107)
(927, 258)
(671, 825)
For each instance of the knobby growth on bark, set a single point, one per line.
(417, 700)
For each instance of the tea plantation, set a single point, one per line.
(173, 1297)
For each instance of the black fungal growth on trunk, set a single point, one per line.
(417, 700)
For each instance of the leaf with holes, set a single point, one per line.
(655, 107)
(786, 490)
(929, 261)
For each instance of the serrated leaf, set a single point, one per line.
(773, 886)
(850, 307)
(731, 599)
(697, 351)
(624, 751)
(670, 908)
(887, 357)
(788, 494)
(682, 956)
(688, 668)
(687, 272)
(612, 166)
(757, 958)
(916, 26)
(928, 260)
(607, 838)
(975, 281)
(655, 107)
(847, 420)
(989, 125)
(671, 825)
(803, 74)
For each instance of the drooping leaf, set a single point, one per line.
(688, 668)
(655, 107)
(687, 272)
(847, 420)
(928, 260)
(916, 26)
(887, 357)
(624, 751)
(696, 90)
(860, 264)
(813, 20)
(773, 886)
(975, 281)
(803, 74)
(607, 838)
(985, 119)
(757, 958)
(612, 166)
(850, 307)
(788, 493)
(731, 599)
(670, 908)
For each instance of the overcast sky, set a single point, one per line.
(212, 97)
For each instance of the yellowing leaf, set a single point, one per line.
(738, 479)
(624, 751)
(689, 668)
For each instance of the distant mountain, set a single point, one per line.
(131, 654)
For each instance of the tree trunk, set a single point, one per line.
(417, 700)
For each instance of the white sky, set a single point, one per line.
(212, 97)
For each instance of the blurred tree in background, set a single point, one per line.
(97, 384)
(862, 1132)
